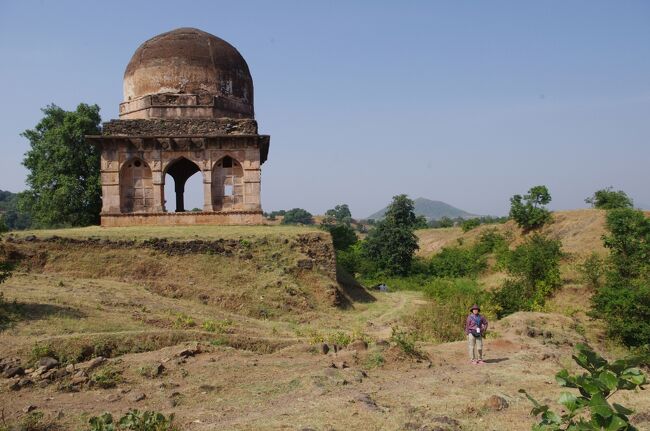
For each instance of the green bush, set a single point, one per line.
(106, 377)
(133, 420)
(608, 199)
(343, 235)
(405, 341)
(470, 224)
(623, 301)
(529, 211)
(592, 270)
(590, 409)
(297, 216)
(534, 267)
(457, 262)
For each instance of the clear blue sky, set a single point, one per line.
(464, 102)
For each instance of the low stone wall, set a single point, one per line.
(186, 218)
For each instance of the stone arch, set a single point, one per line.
(227, 184)
(136, 186)
(180, 169)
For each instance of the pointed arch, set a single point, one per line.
(181, 169)
(136, 186)
(227, 184)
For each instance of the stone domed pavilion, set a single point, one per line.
(188, 108)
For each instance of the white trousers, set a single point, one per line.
(474, 344)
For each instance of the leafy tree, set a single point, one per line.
(12, 217)
(535, 270)
(457, 262)
(340, 214)
(63, 180)
(421, 222)
(392, 243)
(337, 222)
(297, 216)
(470, 224)
(624, 299)
(444, 222)
(529, 211)
(607, 199)
(590, 410)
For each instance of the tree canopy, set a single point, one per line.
(297, 216)
(608, 199)
(392, 243)
(64, 172)
(529, 211)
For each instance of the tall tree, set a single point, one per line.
(64, 179)
(392, 243)
(529, 211)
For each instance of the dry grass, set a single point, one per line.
(171, 232)
(263, 372)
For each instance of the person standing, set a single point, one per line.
(475, 327)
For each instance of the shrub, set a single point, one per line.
(343, 235)
(590, 409)
(529, 211)
(457, 262)
(106, 377)
(184, 321)
(220, 326)
(405, 341)
(607, 199)
(374, 360)
(470, 224)
(623, 301)
(535, 268)
(134, 420)
(297, 216)
(592, 270)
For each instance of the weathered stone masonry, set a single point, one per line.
(188, 108)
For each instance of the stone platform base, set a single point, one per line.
(185, 218)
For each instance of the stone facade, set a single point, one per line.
(170, 132)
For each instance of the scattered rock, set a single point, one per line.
(13, 371)
(159, 369)
(187, 352)
(496, 403)
(47, 363)
(305, 264)
(367, 402)
(29, 408)
(20, 383)
(93, 363)
(358, 345)
(113, 398)
(324, 348)
(70, 368)
(137, 396)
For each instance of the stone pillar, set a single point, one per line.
(158, 192)
(110, 179)
(207, 191)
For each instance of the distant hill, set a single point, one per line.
(431, 210)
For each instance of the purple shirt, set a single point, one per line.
(470, 324)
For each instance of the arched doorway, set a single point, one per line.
(136, 186)
(227, 185)
(181, 170)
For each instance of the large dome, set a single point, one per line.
(188, 61)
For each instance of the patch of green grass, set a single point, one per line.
(374, 360)
(219, 326)
(183, 321)
(106, 377)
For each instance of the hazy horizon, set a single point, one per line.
(465, 103)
